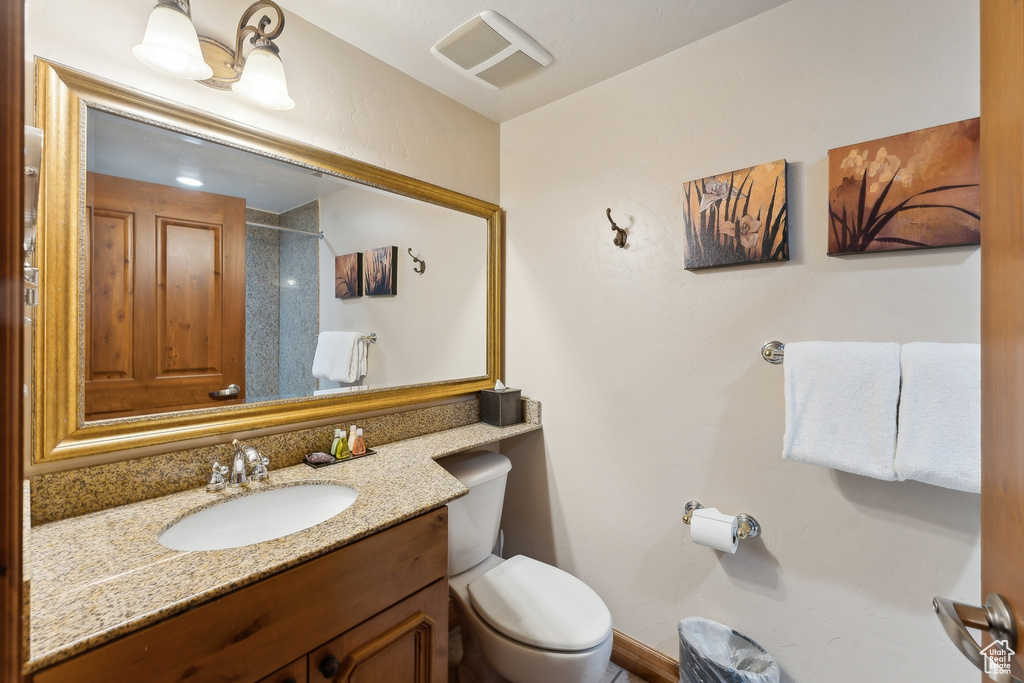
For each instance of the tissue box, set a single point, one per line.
(501, 408)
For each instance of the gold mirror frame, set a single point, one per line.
(58, 425)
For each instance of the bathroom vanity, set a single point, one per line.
(362, 596)
(379, 605)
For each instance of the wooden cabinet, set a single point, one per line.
(379, 607)
(293, 673)
(404, 644)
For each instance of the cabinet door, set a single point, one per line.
(293, 673)
(407, 643)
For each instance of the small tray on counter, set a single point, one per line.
(318, 465)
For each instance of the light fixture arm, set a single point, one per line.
(227, 63)
(259, 33)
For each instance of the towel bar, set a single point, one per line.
(773, 352)
(370, 338)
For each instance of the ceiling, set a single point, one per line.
(591, 40)
(125, 148)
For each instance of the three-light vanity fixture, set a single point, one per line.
(172, 45)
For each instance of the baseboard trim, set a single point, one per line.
(643, 660)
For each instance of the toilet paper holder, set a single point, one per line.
(746, 526)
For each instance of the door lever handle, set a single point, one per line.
(231, 391)
(997, 618)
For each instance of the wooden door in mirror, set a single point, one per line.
(164, 299)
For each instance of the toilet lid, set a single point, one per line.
(540, 605)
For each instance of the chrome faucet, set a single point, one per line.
(247, 455)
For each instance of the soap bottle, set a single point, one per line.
(343, 450)
(358, 445)
(336, 443)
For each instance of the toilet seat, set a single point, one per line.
(541, 606)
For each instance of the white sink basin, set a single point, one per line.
(258, 517)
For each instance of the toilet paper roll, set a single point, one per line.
(710, 527)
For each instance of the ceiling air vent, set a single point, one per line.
(491, 50)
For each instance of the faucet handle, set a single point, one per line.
(217, 480)
(259, 467)
(257, 461)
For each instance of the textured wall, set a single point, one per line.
(434, 328)
(653, 389)
(346, 101)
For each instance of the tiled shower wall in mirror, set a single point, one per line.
(281, 308)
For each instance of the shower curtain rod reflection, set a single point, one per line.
(319, 235)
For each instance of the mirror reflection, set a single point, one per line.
(213, 274)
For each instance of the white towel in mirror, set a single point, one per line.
(340, 356)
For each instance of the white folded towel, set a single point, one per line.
(340, 356)
(939, 437)
(841, 400)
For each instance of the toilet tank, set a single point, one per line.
(474, 519)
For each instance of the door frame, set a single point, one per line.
(12, 112)
(1002, 301)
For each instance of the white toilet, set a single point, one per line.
(521, 620)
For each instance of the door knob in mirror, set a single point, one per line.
(232, 390)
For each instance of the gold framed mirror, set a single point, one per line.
(61, 428)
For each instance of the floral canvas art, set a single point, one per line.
(381, 271)
(348, 275)
(910, 191)
(737, 217)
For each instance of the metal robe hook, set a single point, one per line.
(422, 265)
(620, 234)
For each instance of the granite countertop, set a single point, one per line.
(103, 574)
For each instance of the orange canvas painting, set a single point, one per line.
(348, 275)
(736, 217)
(912, 191)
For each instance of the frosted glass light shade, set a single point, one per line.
(171, 45)
(262, 82)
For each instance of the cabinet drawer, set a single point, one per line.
(407, 643)
(247, 634)
(293, 673)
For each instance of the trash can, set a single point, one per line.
(710, 652)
